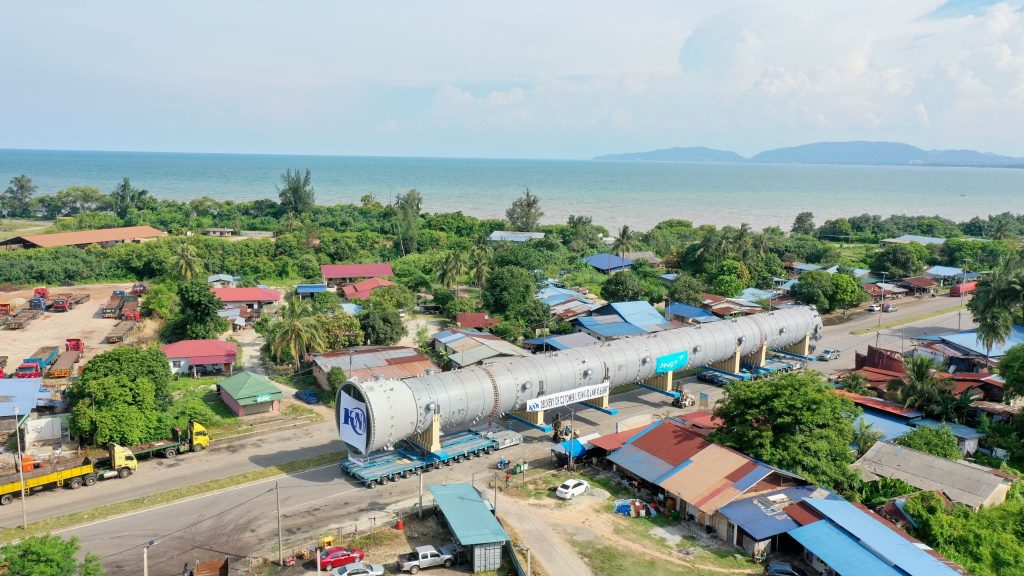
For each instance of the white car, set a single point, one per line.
(360, 569)
(571, 488)
(875, 307)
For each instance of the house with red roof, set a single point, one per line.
(478, 320)
(254, 298)
(200, 356)
(363, 289)
(342, 274)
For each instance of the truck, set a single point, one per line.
(113, 306)
(139, 288)
(42, 292)
(65, 363)
(121, 331)
(3, 366)
(963, 289)
(194, 438)
(72, 471)
(38, 303)
(65, 302)
(129, 307)
(21, 318)
(35, 366)
(427, 557)
(408, 459)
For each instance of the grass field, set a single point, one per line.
(856, 253)
(10, 227)
(612, 561)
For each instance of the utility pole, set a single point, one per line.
(145, 557)
(572, 433)
(495, 493)
(280, 537)
(421, 495)
(21, 469)
(529, 567)
(878, 329)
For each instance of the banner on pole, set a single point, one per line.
(566, 398)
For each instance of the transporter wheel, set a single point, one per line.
(383, 480)
(458, 458)
(170, 453)
(489, 449)
(74, 484)
(405, 474)
(89, 479)
(6, 499)
(124, 473)
(437, 465)
(448, 462)
(393, 478)
(370, 484)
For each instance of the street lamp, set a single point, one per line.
(21, 469)
(878, 329)
(145, 557)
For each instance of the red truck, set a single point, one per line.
(35, 366)
(963, 289)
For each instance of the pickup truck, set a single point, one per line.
(426, 557)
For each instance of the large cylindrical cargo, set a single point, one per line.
(376, 414)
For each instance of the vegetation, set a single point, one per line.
(47, 555)
(827, 291)
(296, 332)
(935, 441)
(381, 326)
(922, 388)
(196, 316)
(1011, 368)
(524, 215)
(792, 421)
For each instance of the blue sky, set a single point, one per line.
(569, 79)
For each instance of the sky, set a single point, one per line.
(525, 79)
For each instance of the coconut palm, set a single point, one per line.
(187, 264)
(297, 330)
(865, 435)
(452, 267)
(920, 387)
(625, 241)
(856, 384)
(480, 263)
(994, 302)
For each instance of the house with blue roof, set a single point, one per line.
(969, 343)
(756, 294)
(689, 314)
(620, 319)
(943, 274)
(608, 263)
(757, 523)
(561, 342)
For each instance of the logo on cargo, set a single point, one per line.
(355, 418)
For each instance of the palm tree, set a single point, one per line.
(856, 384)
(480, 263)
(625, 241)
(297, 330)
(452, 268)
(865, 436)
(187, 264)
(920, 387)
(995, 299)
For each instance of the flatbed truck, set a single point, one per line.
(194, 438)
(121, 331)
(408, 459)
(36, 365)
(64, 364)
(21, 318)
(113, 306)
(71, 472)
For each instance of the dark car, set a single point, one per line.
(308, 396)
(782, 569)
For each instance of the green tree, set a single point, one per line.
(115, 409)
(865, 436)
(47, 555)
(381, 326)
(506, 289)
(846, 291)
(340, 330)
(803, 224)
(623, 286)
(160, 302)
(920, 387)
(727, 285)
(793, 421)
(688, 290)
(856, 384)
(187, 265)
(407, 213)
(939, 441)
(125, 198)
(1011, 368)
(297, 331)
(996, 303)
(835, 230)
(524, 214)
(197, 317)
(335, 378)
(452, 268)
(395, 296)
(730, 267)
(296, 191)
(134, 363)
(16, 201)
(480, 259)
(326, 303)
(898, 261)
(625, 241)
(815, 288)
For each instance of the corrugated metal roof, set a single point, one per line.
(81, 237)
(883, 542)
(892, 426)
(311, 288)
(508, 236)
(959, 430)
(614, 441)
(637, 313)
(944, 271)
(248, 388)
(880, 405)
(640, 463)
(365, 362)
(25, 393)
(246, 294)
(968, 340)
(764, 516)
(605, 261)
(907, 238)
(840, 551)
(609, 327)
(754, 294)
(348, 271)
(804, 267)
(686, 311)
(363, 290)
(471, 520)
(196, 348)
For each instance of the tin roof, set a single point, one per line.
(350, 271)
(248, 388)
(640, 463)
(471, 519)
(944, 271)
(614, 441)
(364, 289)
(959, 430)
(908, 238)
(840, 551)
(246, 294)
(608, 262)
(764, 516)
(366, 362)
(222, 352)
(475, 320)
(311, 288)
(880, 405)
(23, 393)
(919, 282)
(82, 237)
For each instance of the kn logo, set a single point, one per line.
(355, 418)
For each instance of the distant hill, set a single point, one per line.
(858, 152)
(695, 154)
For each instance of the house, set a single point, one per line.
(913, 238)
(221, 280)
(254, 298)
(467, 347)
(855, 272)
(756, 294)
(478, 320)
(341, 274)
(201, 356)
(963, 482)
(966, 437)
(310, 290)
(883, 290)
(363, 289)
(689, 314)
(472, 523)
(879, 405)
(608, 263)
(239, 316)
(509, 236)
(729, 307)
(219, 232)
(364, 363)
(564, 303)
(668, 279)
(619, 319)
(943, 274)
(919, 285)
(800, 267)
(105, 237)
(757, 524)
(649, 257)
(561, 342)
(967, 344)
(246, 394)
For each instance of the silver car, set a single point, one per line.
(360, 569)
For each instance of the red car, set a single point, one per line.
(339, 556)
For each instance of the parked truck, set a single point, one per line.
(129, 308)
(113, 306)
(36, 365)
(3, 366)
(66, 360)
(70, 471)
(121, 331)
(194, 438)
(963, 289)
(139, 288)
(409, 459)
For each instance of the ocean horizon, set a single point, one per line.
(638, 194)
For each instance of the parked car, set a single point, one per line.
(876, 307)
(782, 569)
(360, 569)
(336, 556)
(571, 488)
(426, 557)
(828, 354)
(308, 396)
(889, 308)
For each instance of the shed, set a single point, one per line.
(346, 273)
(608, 263)
(473, 524)
(966, 437)
(688, 313)
(364, 363)
(221, 280)
(310, 290)
(104, 237)
(247, 393)
(509, 236)
(254, 298)
(943, 272)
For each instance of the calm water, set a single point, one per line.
(636, 193)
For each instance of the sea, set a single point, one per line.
(638, 194)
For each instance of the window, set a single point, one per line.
(176, 363)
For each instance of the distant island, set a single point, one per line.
(857, 152)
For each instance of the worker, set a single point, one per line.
(508, 479)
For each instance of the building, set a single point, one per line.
(756, 294)
(649, 257)
(966, 437)
(564, 303)
(608, 263)
(21, 396)
(757, 524)
(855, 272)
(561, 342)
(365, 363)
(509, 236)
(913, 238)
(730, 307)
(467, 347)
(472, 523)
(246, 394)
(477, 320)
(800, 267)
(883, 290)
(255, 298)
(689, 314)
(943, 274)
(363, 289)
(620, 319)
(963, 482)
(105, 237)
(341, 274)
(221, 280)
(201, 356)
(668, 279)
(310, 290)
(964, 351)
(919, 285)
(219, 232)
